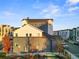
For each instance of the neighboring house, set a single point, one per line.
(73, 34)
(44, 24)
(77, 34)
(68, 34)
(29, 39)
(64, 34)
(5, 29)
(8, 31)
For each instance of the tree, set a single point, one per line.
(59, 46)
(6, 43)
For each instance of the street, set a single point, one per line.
(74, 49)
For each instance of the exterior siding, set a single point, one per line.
(27, 29)
(74, 34)
(64, 34)
(44, 28)
(50, 29)
(77, 34)
(36, 42)
(21, 42)
(71, 34)
(44, 24)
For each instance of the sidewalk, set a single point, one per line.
(72, 55)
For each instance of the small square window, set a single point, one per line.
(30, 35)
(16, 34)
(26, 35)
(16, 44)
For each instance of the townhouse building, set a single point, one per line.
(33, 35)
(5, 29)
(68, 34)
(77, 34)
(64, 34)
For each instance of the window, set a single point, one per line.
(6, 30)
(16, 44)
(30, 35)
(16, 34)
(77, 33)
(9, 31)
(0, 29)
(26, 35)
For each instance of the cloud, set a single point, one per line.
(7, 15)
(51, 10)
(71, 9)
(72, 2)
(55, 11)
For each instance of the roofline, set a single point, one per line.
(4, 25)
(37, 19)
(32, 26)
(64, 29)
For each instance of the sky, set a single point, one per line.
(64, 12)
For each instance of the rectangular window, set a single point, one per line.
(26, 35)
(6, 30)
(9, 31)
(16, 44)
(0, 29)
(30, 34)
(77, 33)
(16, 35)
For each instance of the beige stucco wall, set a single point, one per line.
(24, 22)
(36, 43)
(19, 44)
(28, 29)
(50, 22)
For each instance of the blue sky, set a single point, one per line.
(64, 12)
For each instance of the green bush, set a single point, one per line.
(2, 54)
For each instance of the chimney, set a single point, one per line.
(27, 18)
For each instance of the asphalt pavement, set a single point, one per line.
(74, 49)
